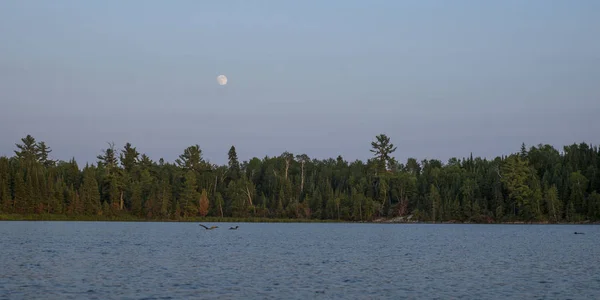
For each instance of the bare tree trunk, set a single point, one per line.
(216, 177)
(287, 166)
(302, 179)
(360, 211)
(249, 196)
(250, 199)
(122, 202)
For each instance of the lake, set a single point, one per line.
(123, 260)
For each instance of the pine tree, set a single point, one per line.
(43, 154)
(382, 149)
(191, 159)
(27, 150)
(89, 193)
(233, 173)
(129, 157)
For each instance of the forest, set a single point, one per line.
(535, 184)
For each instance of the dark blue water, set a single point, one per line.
(97, 260)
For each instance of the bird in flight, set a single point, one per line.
(211, 228)
(234, 228)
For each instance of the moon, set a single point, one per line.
(222, 79)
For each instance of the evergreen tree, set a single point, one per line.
(515, 176)
(129, 157)
(28, 150)
(382, 149)
(191, 159)
(234, 165)
(43, 152)
(532, 185)
(189, 195)
(89, 194)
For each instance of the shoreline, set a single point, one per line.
(128, 218)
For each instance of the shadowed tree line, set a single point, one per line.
(535, 184)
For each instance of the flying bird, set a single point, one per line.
(234, 228)
(211, 228)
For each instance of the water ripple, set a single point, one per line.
(68, 260)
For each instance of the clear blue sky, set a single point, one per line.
(441, 78)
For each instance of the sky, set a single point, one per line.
(441, 78)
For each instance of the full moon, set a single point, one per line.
(222, 80)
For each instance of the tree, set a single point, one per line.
(219, 203)
(28, 150)
(203, 204)
(89, 195)
(303, 159)
(20, 194)
(468, 192)
(523, 152)
(129, 157)
(515, 176)
(382, 149)
(113, 181)
(434, 199)
(287, 158)
(531, 185)
(234, 165)
(43, 152)
(108, 158)
(578, 185)
(189, 194)
(594, 206)
(191, 159)
(165, 199)
(553, 204)
(136, 199)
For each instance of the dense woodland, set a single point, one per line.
(539, 184)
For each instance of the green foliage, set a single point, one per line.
(89, 195)
(382, 149)
(535, 184)
(515, 176)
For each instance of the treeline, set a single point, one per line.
(536, 184)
